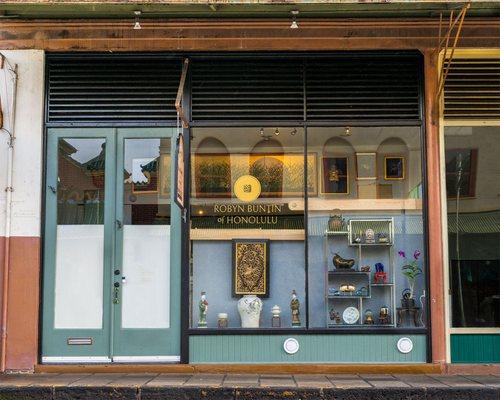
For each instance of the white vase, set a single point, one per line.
(249, 307)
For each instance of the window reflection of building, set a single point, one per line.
(80, 191)
(473, 190)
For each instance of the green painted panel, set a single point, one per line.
(475, 348)
(313, 349)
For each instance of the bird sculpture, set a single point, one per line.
(342, 263)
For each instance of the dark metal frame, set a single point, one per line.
(186, 261)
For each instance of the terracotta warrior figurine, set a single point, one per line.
(295, 307)
(203, 306)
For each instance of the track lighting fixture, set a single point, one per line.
(137, 24)
(294, 24)
(277, 132)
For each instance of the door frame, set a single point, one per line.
(52, 340)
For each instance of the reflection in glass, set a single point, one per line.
(80, 182)
(473, 190)
(367, 215)
(257, 244)
(146, 195)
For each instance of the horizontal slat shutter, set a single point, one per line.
(245, 90)
(363, 88)
(96, 89)
(472, 89)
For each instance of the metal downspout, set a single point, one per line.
(8, 208)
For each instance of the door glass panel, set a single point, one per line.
(146, 234)
(80, 234)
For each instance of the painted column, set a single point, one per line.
(436, 288)
(24, 245)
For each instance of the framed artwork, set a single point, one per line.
(282, 175)
(461, 170)
(212, 175)
(144, 175)
(164, 175)
(335, 175)
(366, 166)
(394, 168)
(250, 272)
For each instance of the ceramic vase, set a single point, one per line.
(249, 307)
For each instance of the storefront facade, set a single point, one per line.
(313, 227)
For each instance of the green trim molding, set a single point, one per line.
(323, 348)
(475, 348)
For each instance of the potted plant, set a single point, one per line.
(411, 271)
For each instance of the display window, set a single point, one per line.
(316, 228)
(473, 187)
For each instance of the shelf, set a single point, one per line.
(367, 326)
(331, 296)
(381, 284)
(338, 272)
(229, 234)
(370, 244)
(336, 233)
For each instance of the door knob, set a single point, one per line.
(117, 272)
(119, 224)
(116, 284)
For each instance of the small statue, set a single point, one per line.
(365, 268)
(335, 222)
(384, 318)
(369, 236)
(295, 307)
(369, 318)
(342, 263)
(203, 307)
(276, 312)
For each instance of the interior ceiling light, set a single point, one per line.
(277, 132)
(294, 24)
(261, 131)
(347, 131)
(293, 132)
(137, 24)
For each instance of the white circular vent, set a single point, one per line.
(291, 346)
(405, 345)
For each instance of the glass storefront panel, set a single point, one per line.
(366, 230)
(473, 191)
(247, 227)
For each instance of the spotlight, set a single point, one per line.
(277, 132)
(261, 131)
(293, 132)
(294, 24)
(137, 24)
(347, 131)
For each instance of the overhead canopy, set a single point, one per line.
(239, 9)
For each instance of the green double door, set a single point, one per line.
(112, 247)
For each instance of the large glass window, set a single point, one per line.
(473, 190)
(247, 227)
(366, 231)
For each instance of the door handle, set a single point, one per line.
(52, 189)
(119, 224)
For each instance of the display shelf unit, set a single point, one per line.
(356, 237)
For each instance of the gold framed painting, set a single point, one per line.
(394, 168)
(335, 175)
(211, 174)
(282, 174)
(250, 272)
(164, 175)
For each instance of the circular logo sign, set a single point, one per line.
(247, 188)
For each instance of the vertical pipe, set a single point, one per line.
(8, 216)
(436, 281)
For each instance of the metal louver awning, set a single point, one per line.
(472, 89)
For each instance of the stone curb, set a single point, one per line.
(211, 393)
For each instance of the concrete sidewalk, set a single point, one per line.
(118, 386)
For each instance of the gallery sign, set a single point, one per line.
(179, 172)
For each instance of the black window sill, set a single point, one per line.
(304, 331)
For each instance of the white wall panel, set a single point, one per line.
(26, 206)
